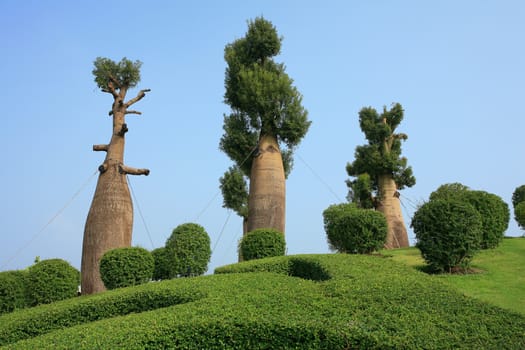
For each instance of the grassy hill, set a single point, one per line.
(332, 301)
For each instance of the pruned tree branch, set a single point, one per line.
(97, 148)
(123, 130)
(111, 90)
(123, 169)
(137, 98)
(103, 168)
(133, 112)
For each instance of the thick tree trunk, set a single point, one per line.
(390, 206)
(266, 201)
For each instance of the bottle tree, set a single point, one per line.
(110, 218)
(379, 171)
(266, 123)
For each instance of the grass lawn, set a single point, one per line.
(502, 278)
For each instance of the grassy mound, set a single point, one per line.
(299, 302)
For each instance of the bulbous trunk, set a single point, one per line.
(266, 201)
(390, 206)
(109, 225)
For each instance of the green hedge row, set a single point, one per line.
(45, 318)
(362, 302)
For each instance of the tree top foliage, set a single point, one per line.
(382, 154)
(111, 75)
(235, 191)
(261, 95)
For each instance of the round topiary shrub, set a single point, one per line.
(13, 290)
(353, 230)
(518, 195)
(262, 243)
(519, 214)
(125, 267)
(161, 260)
(495, 216)
(448, 233)
(189, 251)
(51, 280)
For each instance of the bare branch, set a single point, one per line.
(133, 112)
(111, 90)
(97, 148)
(137, 98)
(123, 169)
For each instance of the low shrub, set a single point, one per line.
(13, 292)
(125, 267)
(161, 270)
(262, 243)
(46, 318)
(189, 251)
(448, 233)
(353, 230)
(51, 280)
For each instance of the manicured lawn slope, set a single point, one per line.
(501, 277)
(298, 302)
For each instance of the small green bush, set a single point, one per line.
(519, 214)
(448, 233)
(353, 230)
(161, 258)
(125, 267)
(189, 251)
(51, 280)
(262, 243)
(13, 292)
(518, 195)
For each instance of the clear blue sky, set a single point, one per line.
(457, 67)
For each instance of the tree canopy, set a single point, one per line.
(111, 75)
(381, 156)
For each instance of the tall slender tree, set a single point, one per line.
(380, 172)
(266, 123)
(110, 218)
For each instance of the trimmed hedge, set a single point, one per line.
(13, 293)
(51, 280)
(188, 249)
(354, 230)
(125, 267)
(448, 233)
(46, 318)
(368, 302)
(262, 243)
(161, 270)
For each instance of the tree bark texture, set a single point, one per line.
(390, 206)
(109, 222)
(266, 201)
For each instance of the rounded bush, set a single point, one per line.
(125, 267)
(13, 290)
(353, 230)
(448, 233)
(495, 216)
(189, 251)
(519, 214)
(51, 280)
(161, 270)
(262, 243)
(518, 195)
(449, 191)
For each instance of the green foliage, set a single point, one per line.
(67, 313)
(13, 290)
(112, 75)
(368, 302)
(495, 214)
(161, 258)
(51, 280)
(519, 214)
(381, 156)
(448, 233)
(124, 267)
(518, 195)
(235, 191)
(353, 230)
(189, 251)
(262, 243)
(262, 97)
